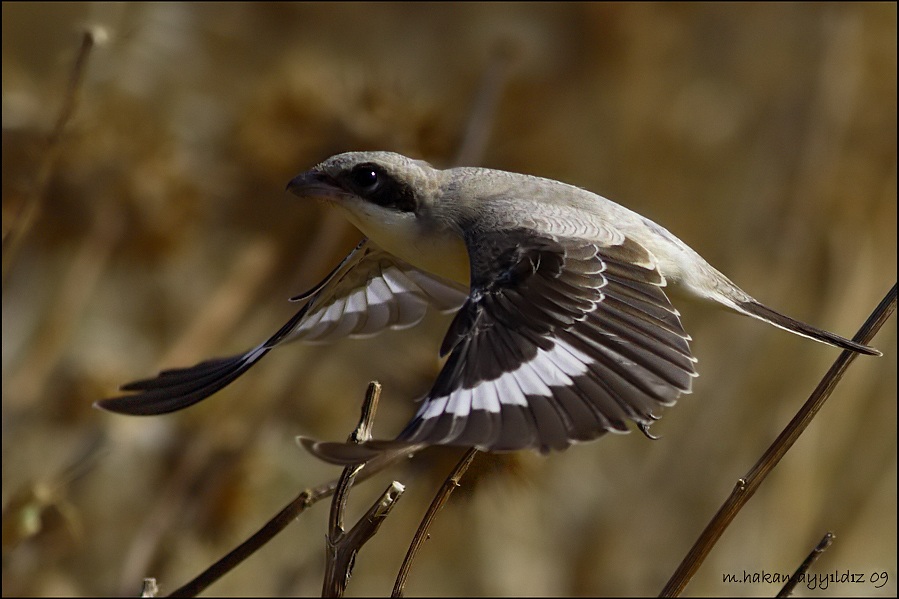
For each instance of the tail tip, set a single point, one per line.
(783, 321)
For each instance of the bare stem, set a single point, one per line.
(449, 485)
(29, 209)
(341, 552)
(749, 484)
(822, 546)
(279, 522)
(480, 120)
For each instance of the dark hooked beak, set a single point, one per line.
(312, 184)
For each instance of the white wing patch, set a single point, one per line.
(377, 292)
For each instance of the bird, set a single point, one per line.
(563, 330)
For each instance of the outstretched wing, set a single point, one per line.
(369, 291)
(560, 340)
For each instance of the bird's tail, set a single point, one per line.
(762, 312)
(706, 281)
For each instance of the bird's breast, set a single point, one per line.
(436, 250)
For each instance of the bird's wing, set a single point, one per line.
(369, 291)
(560, 340)
(373, 291)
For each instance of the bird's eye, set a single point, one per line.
(365, 177)
(376, 185)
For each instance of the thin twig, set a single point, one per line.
(341, 547)
(749, 484)
(360, 434)
(449, 485)
(480, 121)
(32, 203)
(279, 522)
(342, 555)
(799, 575)
(149, 588)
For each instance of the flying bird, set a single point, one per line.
(562, 329)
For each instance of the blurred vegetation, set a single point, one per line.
(762, 135)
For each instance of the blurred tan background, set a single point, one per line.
(762, 135)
